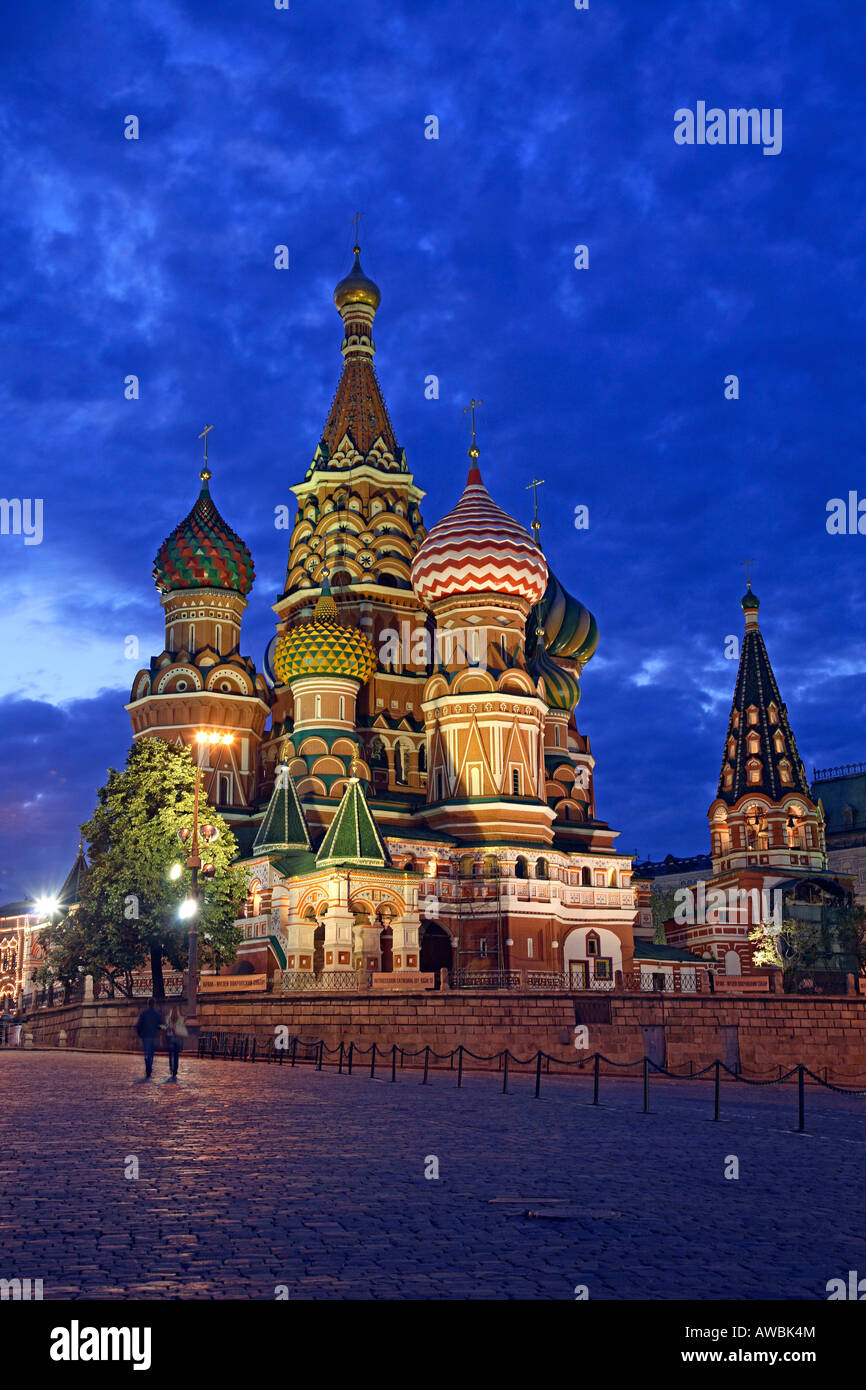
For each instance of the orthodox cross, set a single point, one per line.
(356, 219)
(470, 409)
(204, 434)
(536, 524)
(747, 563)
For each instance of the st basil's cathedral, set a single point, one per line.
(406, 779)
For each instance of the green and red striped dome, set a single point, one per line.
(203, 552)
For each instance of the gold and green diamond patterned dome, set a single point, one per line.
(324, 647)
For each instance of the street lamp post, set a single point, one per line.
(193, 863)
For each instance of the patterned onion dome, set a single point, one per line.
(357, 288)
(569, 628)
(477, 549)
(324, 647)
(203, 552)
(561, 687)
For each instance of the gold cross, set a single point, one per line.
(470, 409)
(356, 219)
(747, 563)
(204, 434)
(535, 485)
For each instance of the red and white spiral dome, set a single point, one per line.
(478, 549)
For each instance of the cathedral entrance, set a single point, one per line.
(386, 946)
(436, 950)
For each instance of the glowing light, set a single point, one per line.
(175, 871)
(46, 905)
(188, 908)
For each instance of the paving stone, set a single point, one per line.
(254, 1176)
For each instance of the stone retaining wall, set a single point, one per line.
(763, 1033)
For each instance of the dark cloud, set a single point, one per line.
(260, 127)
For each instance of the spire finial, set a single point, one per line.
(470, 410)
(746, 564)
(205, 472)
(356, 249)
(536, 524)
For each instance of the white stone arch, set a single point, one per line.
(733, 964)
(574, 947)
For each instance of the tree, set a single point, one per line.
(664, 903)
(128, 913)
(835, 941)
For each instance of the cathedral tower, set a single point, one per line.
(763, 813)
(358, 519)
(199, 680)
(480, 574)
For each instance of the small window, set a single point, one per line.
(218, 638)
(318, 714)
(586, 878)
(342, 707)
(482, 946)
(191, 646)
(593, 943)
(604, 968)
(541, 869)
(515, 781)
(529, 947)
(556, 735)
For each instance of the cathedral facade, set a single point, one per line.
(406, 778)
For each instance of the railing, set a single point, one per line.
(828, 773)
(248, 1048)
(329, 981)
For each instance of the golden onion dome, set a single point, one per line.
(324, 647)
(357, 288)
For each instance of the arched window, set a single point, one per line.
(612, 880)
(342, 707)
(422, 758)
(318, 713)
(586, 878)
(467, 865)
(541, 869)
(521, 869)
(556, 735)
(191, 646)
(593, 943)
(218, 637)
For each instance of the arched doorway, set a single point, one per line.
(319, 949)
(436, 951)
(386, 946)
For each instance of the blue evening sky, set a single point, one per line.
(261, 127)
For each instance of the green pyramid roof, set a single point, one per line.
(353, 836)
(70, 893)
(283, 828)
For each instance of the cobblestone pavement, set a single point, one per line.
(252, 1177)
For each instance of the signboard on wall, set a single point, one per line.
(742, 984)
(404, 979)
(231, 984)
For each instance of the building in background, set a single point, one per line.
(841, 792)
(768, 849)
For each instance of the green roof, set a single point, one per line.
(70, 893)
(353, 836)
(650, 950)
(283, 828)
